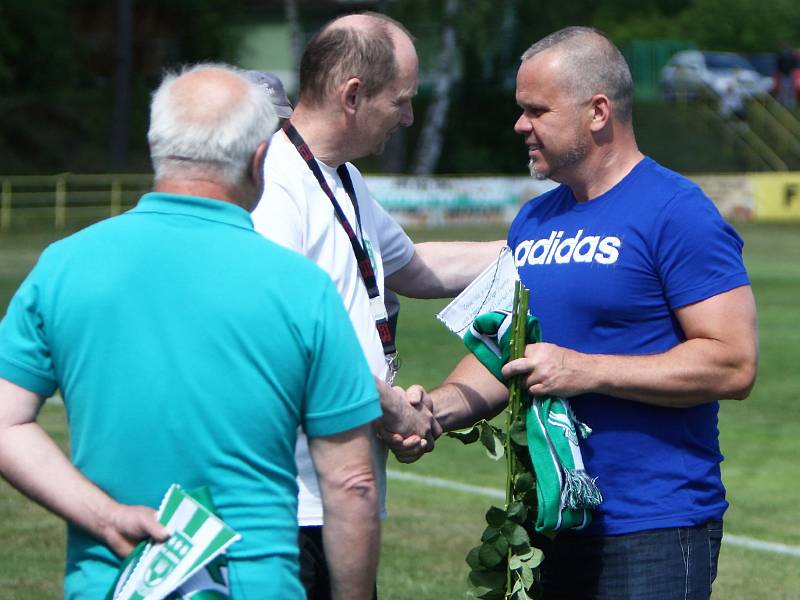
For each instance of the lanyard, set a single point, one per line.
(362, 259)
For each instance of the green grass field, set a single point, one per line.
(430, 529)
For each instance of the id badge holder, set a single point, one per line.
(378, 309)
(381, 318)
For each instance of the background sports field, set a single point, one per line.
(432, 524)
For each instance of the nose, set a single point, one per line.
(523, 125)
(407, 115)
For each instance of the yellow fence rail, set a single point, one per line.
(67, 200)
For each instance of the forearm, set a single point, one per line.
(443, 269)
(351, 536)
(351, 531)
(36, 466)
(693, 372)
(470, 393)
(718, 360)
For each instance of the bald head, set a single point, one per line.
(363, 46)
(588, 63)
(208, 119)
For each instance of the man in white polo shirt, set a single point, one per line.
(357, 78)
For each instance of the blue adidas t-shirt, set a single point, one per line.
(605, 277)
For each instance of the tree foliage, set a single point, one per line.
(38, 48)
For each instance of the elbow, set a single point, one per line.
(361, 485)
(743, 378)
(352, 486)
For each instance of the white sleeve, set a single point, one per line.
(280, 217)
(396, 247)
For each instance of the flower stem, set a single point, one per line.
(519, 322)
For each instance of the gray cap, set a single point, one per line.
(271, 84)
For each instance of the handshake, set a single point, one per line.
(408, 426)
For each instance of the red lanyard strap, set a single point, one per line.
(362, 258)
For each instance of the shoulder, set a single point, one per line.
(668, 186)
(84, 241)
(283, 163)
(545, 200)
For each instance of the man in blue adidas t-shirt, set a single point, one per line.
(188, 349)
(647, 319)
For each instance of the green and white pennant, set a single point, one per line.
(176, 568)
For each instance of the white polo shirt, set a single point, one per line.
(296, 213)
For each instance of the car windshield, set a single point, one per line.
(723, 60)
(763, 63)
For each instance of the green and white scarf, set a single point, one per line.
(565, 492)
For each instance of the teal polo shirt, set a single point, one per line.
(188, 349)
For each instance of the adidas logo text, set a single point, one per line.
(560, 249)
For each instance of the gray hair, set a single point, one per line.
(187, 134)
(592, 64)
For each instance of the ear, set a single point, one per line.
(600, 106)
(256, 169)
(351, 94)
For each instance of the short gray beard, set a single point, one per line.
(571, 157)
(534, 173)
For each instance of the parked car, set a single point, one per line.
(694, 73)
(766, 63)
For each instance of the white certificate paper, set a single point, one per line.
(492, 290)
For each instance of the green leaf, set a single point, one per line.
(473, 559)
(466, 436)
(517, 512)
(528, 554)
(518, 433)
(480, 591)
(526, 574)
(522, 549)
(514, 562)
(520, 594)
(500, 544)
(523, 482)
(516, 535)
(536, 557)
(489, 555)
(492, 580)
(495, 516)
(492, 442)
(490, 533)
(529, 498)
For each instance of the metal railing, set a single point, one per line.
(67, 200)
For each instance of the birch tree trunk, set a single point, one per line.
(293, 21)
(429, 145)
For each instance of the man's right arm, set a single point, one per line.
(470, 393)
(351, 533)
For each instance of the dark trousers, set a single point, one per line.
(313, 567)
(660, 564)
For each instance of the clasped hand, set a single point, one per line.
(408, 426)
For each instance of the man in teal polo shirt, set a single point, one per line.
(188, 349)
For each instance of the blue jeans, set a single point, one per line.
(660, 564)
